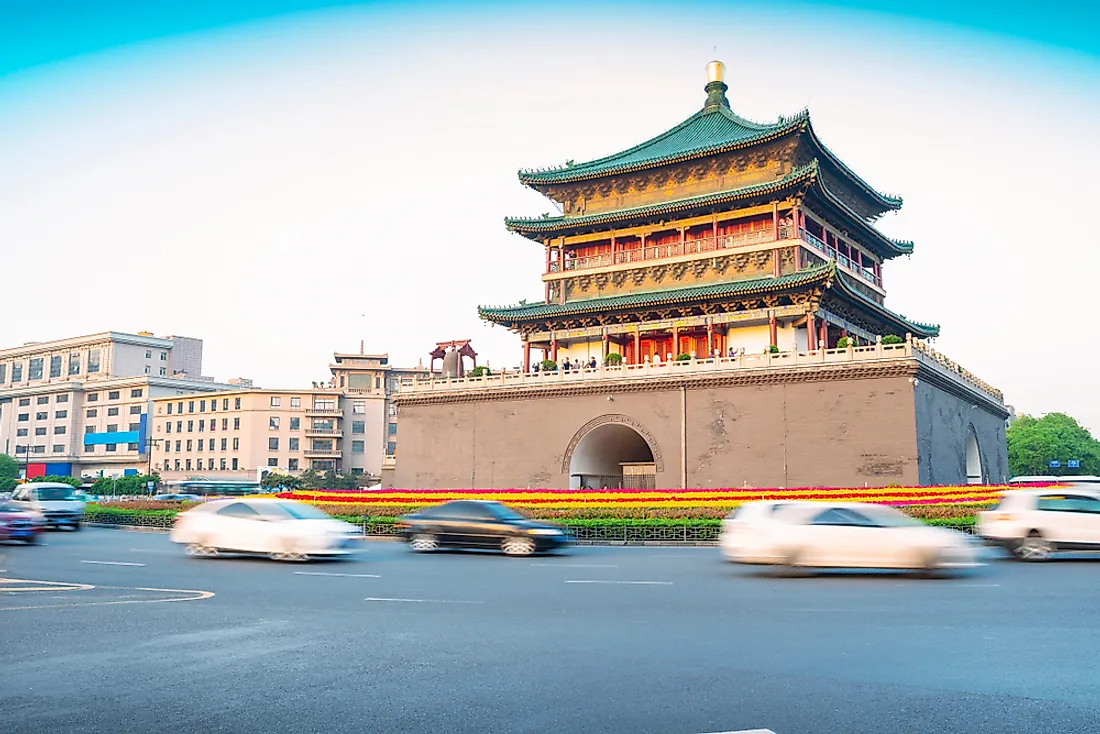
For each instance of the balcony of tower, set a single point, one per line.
(817, 243)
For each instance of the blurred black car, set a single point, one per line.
(480, 524)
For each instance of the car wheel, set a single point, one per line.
(424, 542)
(76, 527)
(31, 539)
(1033, 548)
(518, 545)
(290, 553)
(928, 565)
(199, 550)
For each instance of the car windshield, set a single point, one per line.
(49, 494)
(888, 517)
(303, 512)
(504, 512)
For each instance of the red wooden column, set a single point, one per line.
(710, 340)
(547, 298)
(811, 333)
(773, 329)
(527, 356)
(824, 334)
(554, 350)
(675, 341)
(775, 220)
(613, 252)
(638, 347)
(606, 347)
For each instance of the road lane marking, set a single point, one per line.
(196, 595)
(6, 585)
(978, 586)
(113, 563)
(347, 575)
(745, 731)
(421, 601)
(575, 565)
(627, 583)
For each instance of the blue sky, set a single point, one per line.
(34, 32)
(287, 177)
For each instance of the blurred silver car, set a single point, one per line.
(1035, 523)
(847, 535)
(282, 530)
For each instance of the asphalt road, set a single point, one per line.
(620, 640)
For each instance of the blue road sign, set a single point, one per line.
(1055, 464)
(1073, 464)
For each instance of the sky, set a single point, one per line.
(286, 178)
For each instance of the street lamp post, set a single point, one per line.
(150, 442)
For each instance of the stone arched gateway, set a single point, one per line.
(974, 472)
(612, 451)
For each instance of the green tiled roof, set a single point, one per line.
(711, 130)
(537, 227)
(528, 312)
(917, 328)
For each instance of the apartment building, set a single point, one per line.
(80, 406)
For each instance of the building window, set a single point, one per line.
(356, 447)
(236, 403)
(3, 373)
(20, 449)
(177, 464)
(40, 431)
(148, 354)
(190, 406)
(358, 427)
(44, 400)
(135, 410)
(221, 463)
(359, 407)
(137, 392)
(92, 397)
(273, 443)
(273, 423)
(225, 404)
(236, 445)
(178, 445)
(58, 448)
(112, 447)
(39, 449)
(391, 449)
(179, 407)
(202, 406)
(74, 363)
(167, 447)
(391, 429)
(190, 444)
(146, 369)
(214, 406)
(236, 424)
(292, 465)
(296, 402)
(169, 409)
(135, 426)
(324, 403)
(225, 443)
(276, 401)
(61, 414)
(55, 366)
(168, 427)
(164, 356)
(112, 428)
(198, 464)
(213, 424)
(24, 417)
(112, 411)
(179, 426)
(202, 426)
(21, 431)
(225, 424)
(234, 464)
(132, 446)
(201, 441)
(187, 465)
(59, 430)
(163, 372)
(41, 416)
(93, 360)
(34, 372)
(295, 424)
(272, 461)
(89, 429)
(17, 372)
(61, 399)
(190, 426)
(293, 443)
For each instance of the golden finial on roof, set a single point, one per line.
(716, 86)
(716, 71)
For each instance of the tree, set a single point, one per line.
(9, 473)
(72, 481)
(274, 480)
(1035, 442)
(310, 479)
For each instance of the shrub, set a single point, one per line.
(843, 343)
(71, 481)
(683, 357)
(773, 349)
(548, 365)
(892, 339)
(480, 371)
(614, 359)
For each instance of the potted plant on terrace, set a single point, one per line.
(614, 359)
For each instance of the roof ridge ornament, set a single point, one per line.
(716, 87)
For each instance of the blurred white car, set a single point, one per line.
(747, 531)
(847, 535)
(280, 529)
(1035, 523)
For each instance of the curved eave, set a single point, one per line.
(916, 328)
(514, 316)
(888, 203)
(552, 226)
(603, 167)
(888, 248)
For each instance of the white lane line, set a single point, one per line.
(347, 575)
(574, 565)
(421, 601)
(978, 586)
(198, 595)
(113, 563)
(625, 583)
(745, 731)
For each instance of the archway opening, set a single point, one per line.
(973, 460)
(612, 456)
